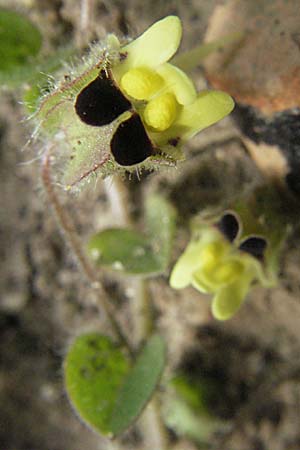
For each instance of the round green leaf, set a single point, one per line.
(139, 385)
(123, 250)
(94, 369)
(19, 40)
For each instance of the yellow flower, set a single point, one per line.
(216, 262)
(164, 95)
(127, 106)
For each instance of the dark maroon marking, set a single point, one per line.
(93, 169)
(174, 141)
(130, 143)
(255, 246)
(123, 56)
(101, 102)
(229, 226)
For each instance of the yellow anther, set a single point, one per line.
(228, 272)
(141, 83)
(161, 112)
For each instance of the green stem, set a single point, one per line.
(189, 60)
(154, 431)
(66, 224)
(142, 313)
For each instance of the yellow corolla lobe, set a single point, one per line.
(141, 83)
(161, 112)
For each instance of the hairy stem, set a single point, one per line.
(67, 225)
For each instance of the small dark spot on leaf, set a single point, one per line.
(93, 343)
(96, 364)
(85, 372)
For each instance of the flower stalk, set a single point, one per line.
(67, 226)
(151, 424)
(128, 107)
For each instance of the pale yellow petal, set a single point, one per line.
(215, 270)
(195, 255)
(188, 262)
(154, 47)
(209, 108)
(202, 283)
(179, 83)
(229, 299)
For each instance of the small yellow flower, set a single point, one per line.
(216, 262)
(128, 105)
(163, 94)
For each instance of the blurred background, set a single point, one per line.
(248, 366)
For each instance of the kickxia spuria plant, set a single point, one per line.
(217, 261)
(127, 106)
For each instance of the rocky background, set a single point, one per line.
(45, 300)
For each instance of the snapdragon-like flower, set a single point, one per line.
(217, 262)
(128, 105)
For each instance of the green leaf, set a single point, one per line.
(187, 410)
(20, 59)
(192, 58)
(123, 250)
(106, 394)
(94, 370)
(180, 417)
(19, 40)
(133, 252)
(139, 385)
(192, 391)
(161, 226)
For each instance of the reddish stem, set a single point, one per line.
(67, 225)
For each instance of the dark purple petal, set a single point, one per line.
(101, 102)
(229, 226)
(130, 143)
(255, 246)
